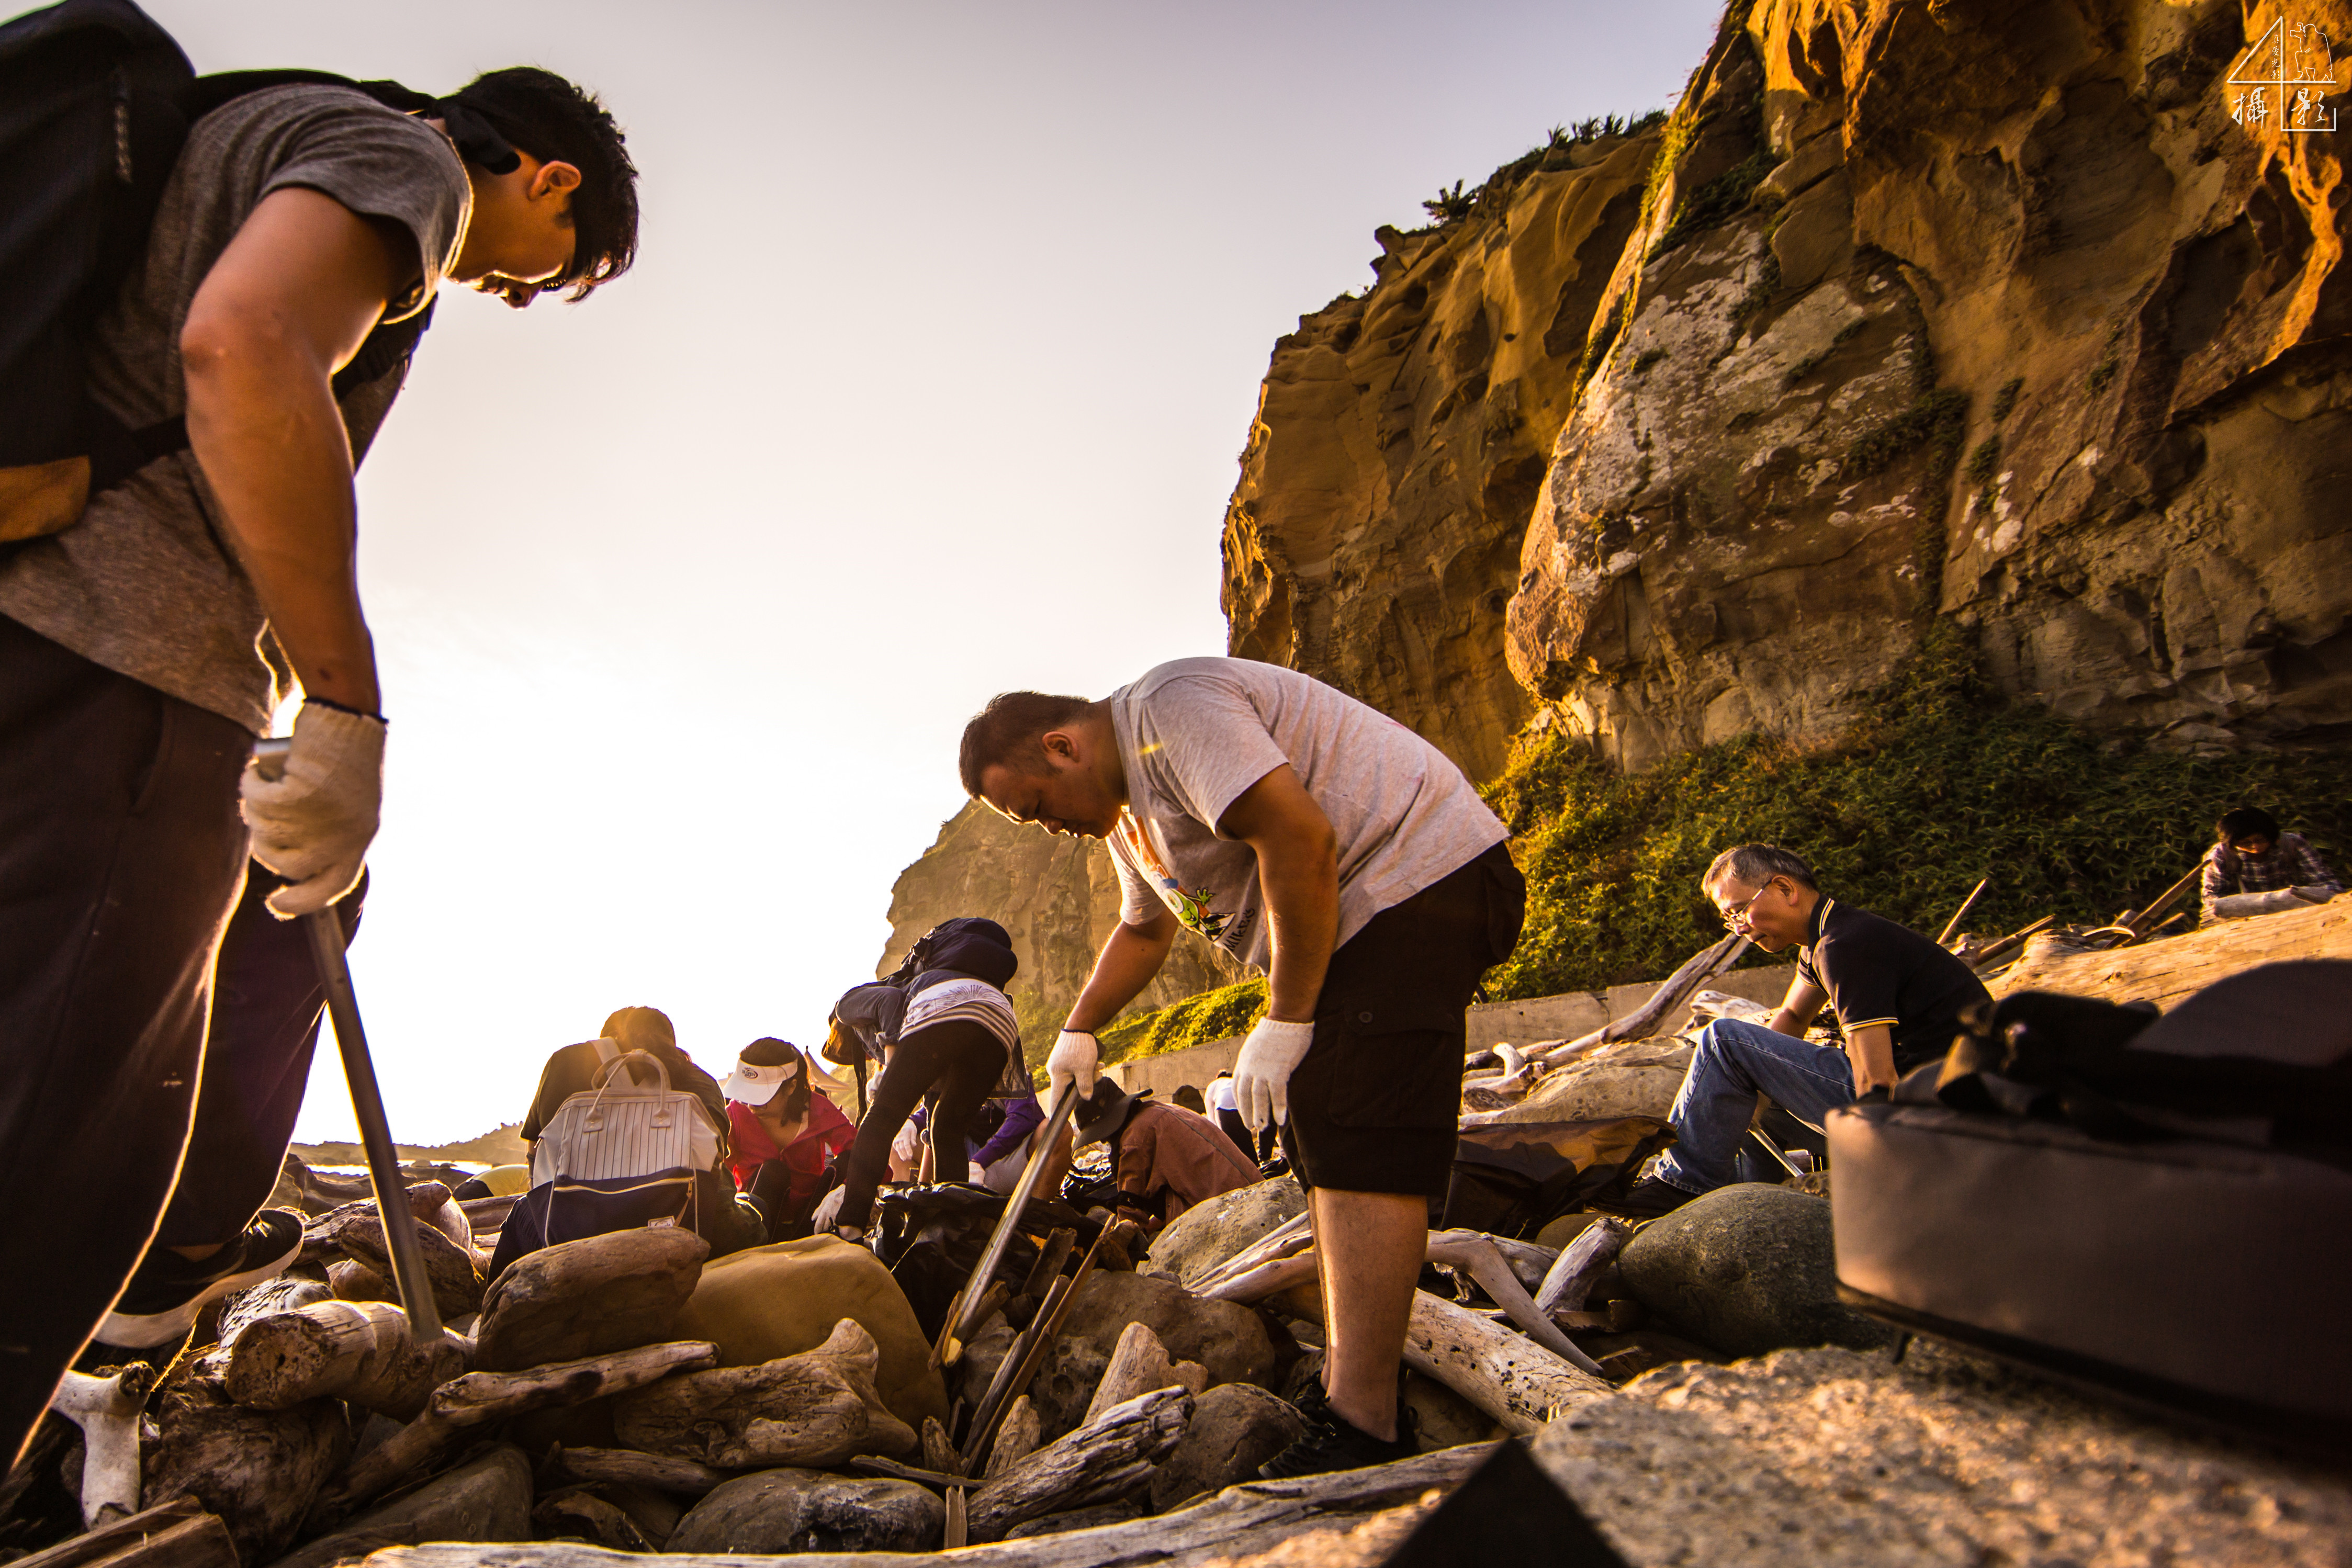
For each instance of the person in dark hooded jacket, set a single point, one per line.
(946, 1034)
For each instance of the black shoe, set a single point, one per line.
(1335, 1443)
(160, 1303)
(1646, 1199)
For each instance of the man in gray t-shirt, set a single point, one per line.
(1316, 839)
(144, 646)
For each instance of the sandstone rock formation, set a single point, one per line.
(2000, 315)
(1400, 440)
(1057, 897)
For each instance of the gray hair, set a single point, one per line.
(1757, 864)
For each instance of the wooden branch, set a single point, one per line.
(1529, 1260)
(1239, 1523)
(1106, 1458)
(1270, 1277)
(284, 1293)
(115, 1535)
(1579, 1263)
(812, 1409)
(632, 1467)
(957, 1531)
(195, 1540)
(356, 1350)
(1289, 1237)
(1139, 1365)
(938, 1454)
(1643, 1019)
(1016, 1439)
(1476, 1254)
(1961, 912)
(479, 1396)
(1028, 1353)
(2151, 919)
(922, 1475)
(1509, 1376)
(1985, 955)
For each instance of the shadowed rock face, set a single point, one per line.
(1057, 897)
(2020, 327)
(1399, 442)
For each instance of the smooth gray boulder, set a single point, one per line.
(808, 1510)
(1235, 1427)
(489, 1500)
(1746, 1268)
(1208, 1233)
(1230, 1341)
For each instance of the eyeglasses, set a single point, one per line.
(1737, 912)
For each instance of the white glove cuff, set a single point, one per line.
(1286, 1037)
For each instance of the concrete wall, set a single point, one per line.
(1525, 1022)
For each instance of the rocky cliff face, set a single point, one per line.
(1400, 440)
(1994, 312)
(1057, 897)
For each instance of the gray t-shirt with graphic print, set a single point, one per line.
(145, 583)
(1194, 734)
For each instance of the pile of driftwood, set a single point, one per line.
(310, 1410)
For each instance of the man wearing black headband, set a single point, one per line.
(145, 645)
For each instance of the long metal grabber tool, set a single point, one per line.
(964, 1315)
(326, 932)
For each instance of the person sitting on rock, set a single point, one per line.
(2254, 869)
(781, 1135)
(946, 1034)
(719, 1219)
(1896, 995)
(1165, 1158)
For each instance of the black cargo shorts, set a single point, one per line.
(1376, 1103)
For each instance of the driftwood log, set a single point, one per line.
(1510, 1378)
(1139, 1365)
(174, 1534)
(257, 1470)
(1016, 1439)
(1579, 1263)
(1643, 1020)
(583, 1514)
(360, 1352)
(585, 1298)
(631, 1467)
(457, 1279)
(1469, 1250)
(813, 1409)
(284, 1293)
(1111, 1456)
(464, 1403)
(1241, 1522)
(1293, 1235)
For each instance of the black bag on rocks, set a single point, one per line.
(2156, 1207)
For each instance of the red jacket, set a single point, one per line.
(826, 1133)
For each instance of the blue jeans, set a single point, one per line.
(1735, 1062)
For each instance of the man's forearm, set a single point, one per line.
(1128, 963)
(265, 427)
(1871, 1052)
(1302, 904)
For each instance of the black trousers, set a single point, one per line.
(267, 999)
(954, 1065)
(121, 854)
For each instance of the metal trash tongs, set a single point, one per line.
(400, 1222)
(966, 1306)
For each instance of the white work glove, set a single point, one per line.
(827, 1210)
(1262, 1071)
(2313, 892)
(1075, 1061)
(2238, 905)
(312, 825)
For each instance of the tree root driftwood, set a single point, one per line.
(813, 1409)
(1514, 1380)
(1241, 1522)
(1110, 1457)
(1468, 1250)
(479, 1397)
(1643, 1020)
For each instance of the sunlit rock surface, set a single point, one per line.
(2021, 326)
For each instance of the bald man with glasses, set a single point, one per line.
(1897, 997)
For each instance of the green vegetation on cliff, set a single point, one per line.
(1943, 783)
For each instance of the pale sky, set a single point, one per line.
(947, 328)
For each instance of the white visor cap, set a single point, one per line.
(756, 1085)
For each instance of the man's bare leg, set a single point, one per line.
(1371, 1246)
